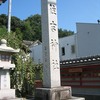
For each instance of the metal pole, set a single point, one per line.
(9, 15)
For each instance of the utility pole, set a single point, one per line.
(9, 15)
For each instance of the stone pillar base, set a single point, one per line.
(7, 94)
(76, 98)
(59, 93)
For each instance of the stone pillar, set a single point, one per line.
(5, 91)
(51, 69)
(52, 89)
(4, 79)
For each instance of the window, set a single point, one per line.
(5, 57)
(73, 49)
(63, 51)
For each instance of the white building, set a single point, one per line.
(86, 42)
(88, 39)
(67, 47)
(36, 53)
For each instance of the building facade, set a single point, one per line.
(88, 40)
(36, 53)
(82, 44)
(67, 46)
(83, 75)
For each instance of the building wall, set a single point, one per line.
(88, 39)
(66, 45)
(36, 53)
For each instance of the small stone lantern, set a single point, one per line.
(5, 66)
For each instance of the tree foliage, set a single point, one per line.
(16, 23)
(23, 76)
(63, 33)
(30, 28)
(3, 20)
(33, 27)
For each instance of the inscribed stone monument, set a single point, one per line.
(52, 89)
(51, 68)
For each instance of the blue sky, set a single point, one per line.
(69, 11)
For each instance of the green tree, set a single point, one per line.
(3, 32)
(23, 76)
(3, 20)
(63, 33)
(16, 23)
(27, 31)
(35, 24)
(19, 34)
